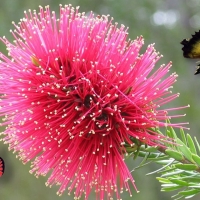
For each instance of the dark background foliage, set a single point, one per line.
(164, 23)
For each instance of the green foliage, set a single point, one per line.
(180, 162)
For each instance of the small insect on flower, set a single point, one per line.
(191, 48)
(2, 166)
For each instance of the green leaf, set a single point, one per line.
(170, 169)
(174, 154)
(176, 197)
(191, 179)
(189, 192)
(136, 153)
(169, 134)
(170, 187)
(158, 158)
(179, 182)
(191, 144)
(196, 158)
(142, 154)
(183, 136)
(186, 166)
(162, 168)
(173, 133)
(153, 156)
(163, 180)
(164, 162)
(195, 186)
(188, 197)
(184, 150)
(151, 149)
(197, 143)
(172, 173)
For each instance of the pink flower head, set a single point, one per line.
(75, 90)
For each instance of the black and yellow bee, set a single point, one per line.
(191, 48)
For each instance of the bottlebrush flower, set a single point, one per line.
(75, 90)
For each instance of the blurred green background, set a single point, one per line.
(164, 23)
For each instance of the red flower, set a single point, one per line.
(75, 90)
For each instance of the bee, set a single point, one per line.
(191, 48)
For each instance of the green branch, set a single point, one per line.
(180, 161)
